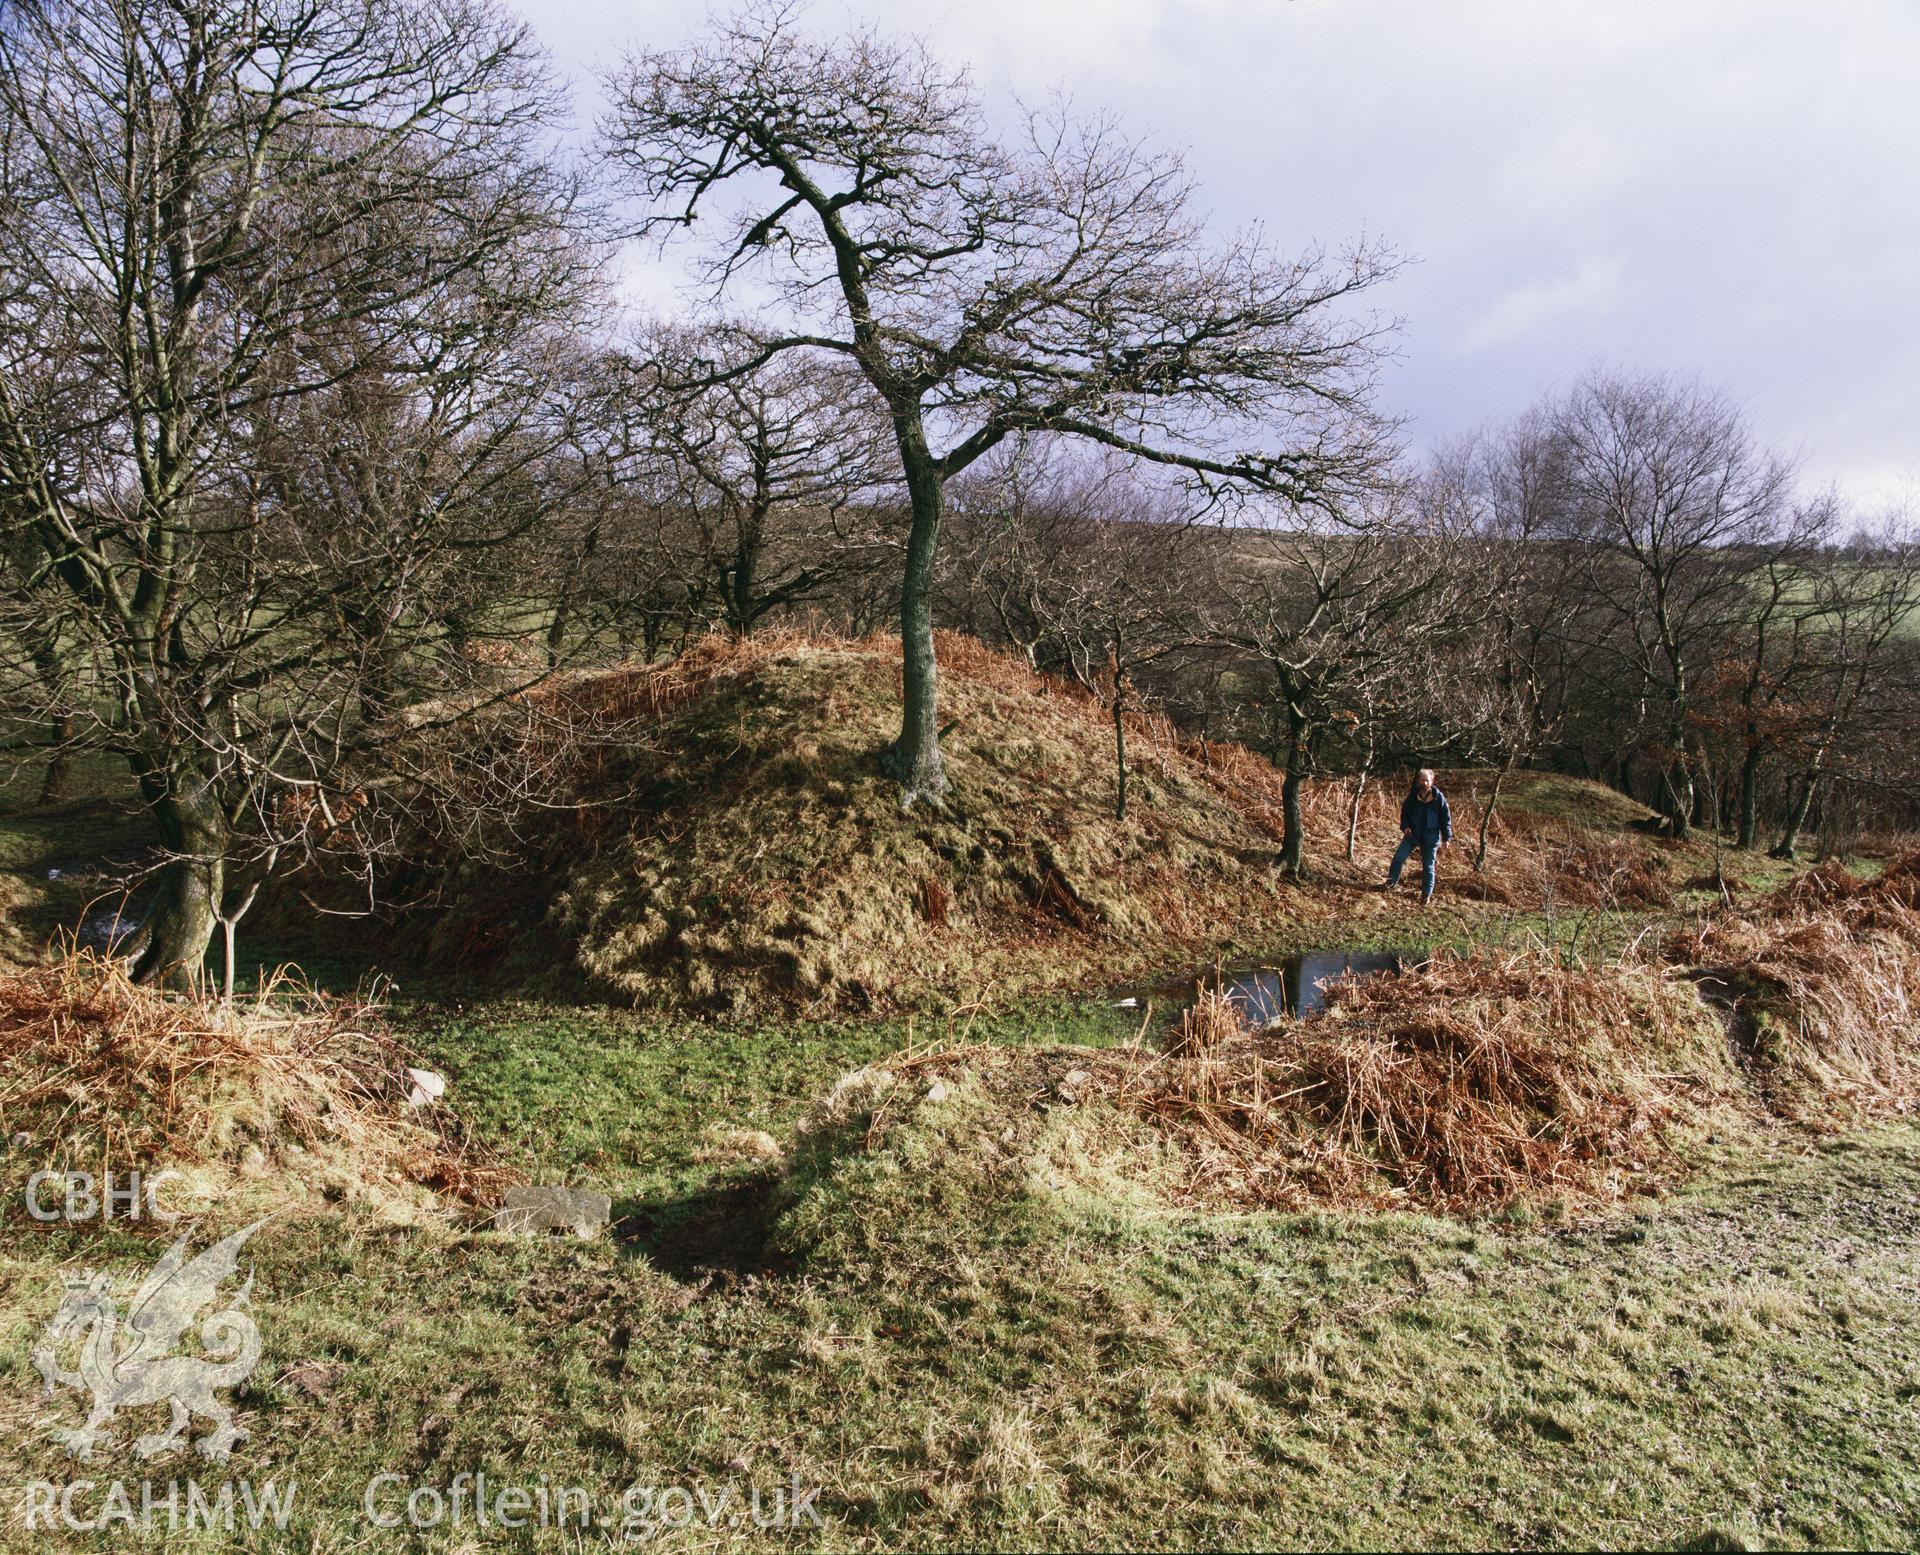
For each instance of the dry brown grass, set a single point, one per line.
(1212, 1023)
(102, 1075)
(1821, 982)
(1465, 1082)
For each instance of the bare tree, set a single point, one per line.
(777, 469)
(1327, 620)
(1747, 703)
(1091, 570)
(221, 216)
(1061, 282)
(1667, 494)
(1500, 695)
(1860, 610)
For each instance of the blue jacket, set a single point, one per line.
(1430, 822)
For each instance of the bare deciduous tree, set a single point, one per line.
(1666, 493)
(219, 216)
(1058, 283)
(1332, 621)
(776, 470)
(1087, 568)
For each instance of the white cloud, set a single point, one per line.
(1528, 310)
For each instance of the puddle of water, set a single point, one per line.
(104, 930)
(1294, 986)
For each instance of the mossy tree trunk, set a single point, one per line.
(1749, 822)
(172, 942)
(914, 757)
(59, 776)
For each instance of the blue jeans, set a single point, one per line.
(1427, 852)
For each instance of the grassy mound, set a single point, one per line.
(744, 850)
(722, 837)
(1466, 1081)
(1822, 985)
(290, 1094)
(982, 1148)
(1461, 1085)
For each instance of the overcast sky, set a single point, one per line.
(1727, 187)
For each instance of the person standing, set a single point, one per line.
(1425, 823)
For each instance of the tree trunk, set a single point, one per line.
(171, 945)
(1705, 810)
(1486, 816)
(738, 587)
(1797, 807)
(229, 927)
(1293, 831)
(59, 764)
(1120, 746)
(1749, 823)
(1676, 784)
(914, 758)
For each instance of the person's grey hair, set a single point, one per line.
(1426, 776)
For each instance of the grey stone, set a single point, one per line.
(545, 1208)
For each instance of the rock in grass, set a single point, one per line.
(424, 1087)
(532, 1209)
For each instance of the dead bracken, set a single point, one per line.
(105, 1076)
(1468, 1081)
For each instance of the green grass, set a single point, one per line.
(628, 1100)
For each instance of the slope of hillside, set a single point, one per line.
(754, 852)
(715, 832)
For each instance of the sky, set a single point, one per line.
(1727, 188)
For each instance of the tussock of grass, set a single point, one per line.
(101, 1075)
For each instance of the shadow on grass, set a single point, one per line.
(722, 1229)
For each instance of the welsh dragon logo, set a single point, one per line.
(127, 1363)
